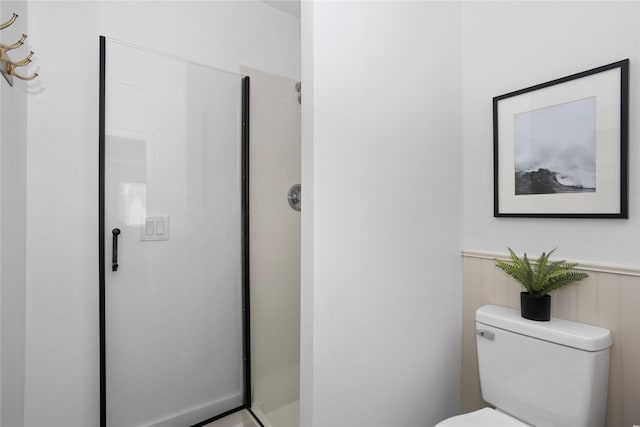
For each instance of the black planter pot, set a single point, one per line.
(535, 308)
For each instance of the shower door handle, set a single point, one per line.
(114, 257)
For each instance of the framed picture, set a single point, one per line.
(560, 147)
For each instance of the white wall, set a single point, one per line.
(513, 45)
(381, 134)
(62, 199)
(13, 173)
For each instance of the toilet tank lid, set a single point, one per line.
(559, 331)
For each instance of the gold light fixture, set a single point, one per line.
(7, 66)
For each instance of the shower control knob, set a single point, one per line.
(294, 196)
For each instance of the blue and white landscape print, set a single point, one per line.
(555, 149)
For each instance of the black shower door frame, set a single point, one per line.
(102, 242)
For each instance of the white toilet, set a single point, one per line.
(542, 374)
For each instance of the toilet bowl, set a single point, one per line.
(545, 374)
(485, 417)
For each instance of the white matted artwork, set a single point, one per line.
(560, 148)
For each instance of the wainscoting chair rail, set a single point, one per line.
(582, 265)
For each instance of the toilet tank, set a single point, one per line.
(547, 374)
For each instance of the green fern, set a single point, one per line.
(544, 276)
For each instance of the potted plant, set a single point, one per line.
(538, 280)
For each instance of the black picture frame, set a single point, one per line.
(560, 148)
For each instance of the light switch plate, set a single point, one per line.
(156, 228)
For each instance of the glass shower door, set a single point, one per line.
(172, 252)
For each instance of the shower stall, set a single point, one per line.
(174, 302)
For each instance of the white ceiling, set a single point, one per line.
(292, 7)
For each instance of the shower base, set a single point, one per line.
(286, 416)
(237, 419)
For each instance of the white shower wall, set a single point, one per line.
(275, 241)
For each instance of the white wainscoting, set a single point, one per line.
(609, 298)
